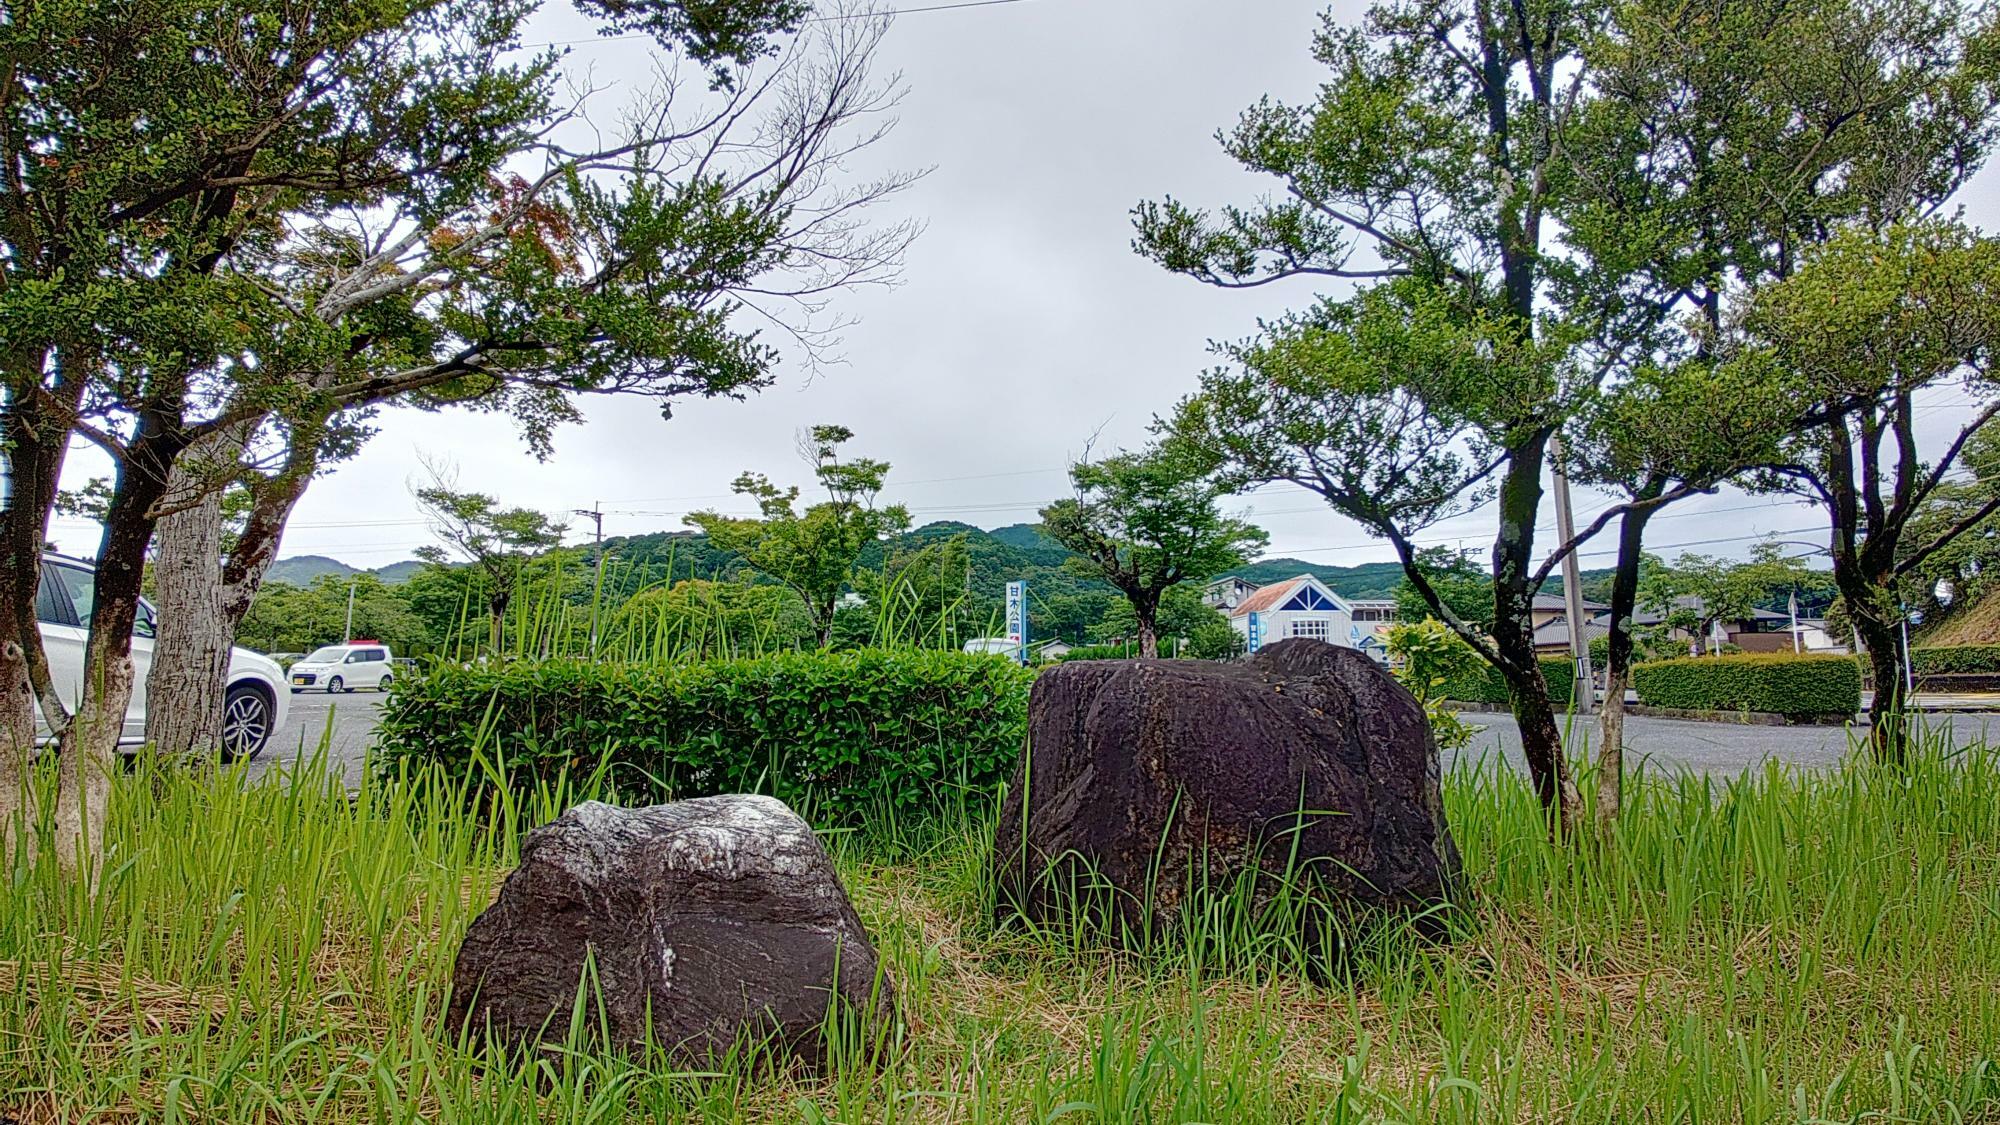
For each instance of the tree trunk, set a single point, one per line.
(190, 670)
(1541, 737)
(496, 610)
(1888, 711)
(89, 748)
(1514, 639)
(1149, 629)
(212, 605)
(35, 438)
(1618, 667)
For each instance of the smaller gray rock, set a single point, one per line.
(721, 917)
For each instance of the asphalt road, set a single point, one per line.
(345, 722)
(1714, 748)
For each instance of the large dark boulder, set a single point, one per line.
(1152, 779)
(722, 916)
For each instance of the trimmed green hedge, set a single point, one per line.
(866, 728)
(1100, 652)
(1947, 660)
(1484, 684)
(1779, 683)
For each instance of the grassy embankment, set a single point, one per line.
(1788, 947)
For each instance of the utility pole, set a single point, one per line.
(1579, 645)
(595, 514)
(347, 634)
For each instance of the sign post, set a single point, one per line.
(1017, 619)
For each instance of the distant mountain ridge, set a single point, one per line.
(998, 556)
(304, 570)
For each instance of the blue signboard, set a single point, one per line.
(1256, 637)
(1017, 619)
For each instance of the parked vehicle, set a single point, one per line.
(338, 668)
(254, 703)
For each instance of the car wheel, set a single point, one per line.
(386, 681)
(335, 686)
(246, 722)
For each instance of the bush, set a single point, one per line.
(1101, 652)
(1780, 683)
(1484, 684)
(865, 729)
(1947, 660)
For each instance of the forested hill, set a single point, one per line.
(978, 568)
(1017, 551)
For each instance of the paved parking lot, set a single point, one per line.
(344, 723)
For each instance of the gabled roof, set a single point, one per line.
(1555, 631)
(1556, 602)
(1267, 599)
(1691, 602)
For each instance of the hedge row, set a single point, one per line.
(866, 728)
(1484, 684)
(1101, 652)
(1816, 686)
(1948, 660)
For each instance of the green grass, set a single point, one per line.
(1787, 947)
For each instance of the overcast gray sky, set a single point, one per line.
(1024, 325)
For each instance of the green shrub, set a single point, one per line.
(1946, 660)
(1101, 652)
(863, 729)
(1484, 684)
(1781, 683)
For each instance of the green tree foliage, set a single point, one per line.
(1676, 150)
(288, 618)
(496, 541)
(1697, 591)
(1455, 579)
(1867, 324)
(811, 551)
(1968, 562)
(1146, 522)
(1428, 157)
(1203, 630)
(1427, 657)
(232, 229)
(1719, 142)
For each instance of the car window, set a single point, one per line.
(81, 586)
(51, 604)
(376, 656)
(326, 655)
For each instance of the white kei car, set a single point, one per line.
(338, 668)
(254, 703)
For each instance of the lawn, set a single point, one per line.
(1787, 947)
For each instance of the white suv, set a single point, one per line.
(338, 668)
(254, 703)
